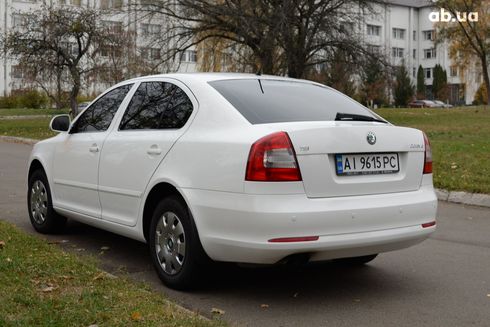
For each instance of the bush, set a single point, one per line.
(24, 99)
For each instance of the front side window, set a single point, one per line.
(275, 101)
(98, 117)
(157, 105)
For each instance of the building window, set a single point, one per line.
(429, 53)
(397, 52)
(414, 53)
(415, 35)
(453, 71)
(188, 56)
(150, 29)
(429, 35)
(155, 54)
(17, 72)
(373, 30)
(111, 4)
(414, 72)
(113, 26)
(428, 73)
(399, 33)
(19, 21)
(77, 3)
(373, 48)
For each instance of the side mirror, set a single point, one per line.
(60, 123)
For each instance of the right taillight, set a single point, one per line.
(427, 156)
(272, 159)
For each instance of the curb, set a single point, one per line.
(15, 139)
(474, 199)
(24, 117)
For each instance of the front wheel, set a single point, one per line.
(174, 244)
(41, 213)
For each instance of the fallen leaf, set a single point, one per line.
(454, 166)
(9, 260)
(136, 315)
(2, 244)
(49, 289)
(100, 275)
(93, 326)
(58, 242)
(105, 248)
(488, 295)
(264, 306)
(218, 311)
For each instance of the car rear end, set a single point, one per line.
(327, 179)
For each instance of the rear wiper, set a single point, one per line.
(353, 117)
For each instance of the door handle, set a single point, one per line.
(94, 148)
(154, 150)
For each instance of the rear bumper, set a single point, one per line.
(236, 227)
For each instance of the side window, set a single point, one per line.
(98, 117)
(157, 105)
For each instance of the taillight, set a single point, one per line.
(427, 156)
(272, 159)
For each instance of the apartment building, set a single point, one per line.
(118, 17)
(401, 29)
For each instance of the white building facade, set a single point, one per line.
(401, 29)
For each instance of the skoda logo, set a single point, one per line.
(371, 138)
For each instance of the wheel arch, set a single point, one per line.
(158, 191)
(33, 166)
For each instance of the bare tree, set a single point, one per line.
(67, 39)
(288, 36)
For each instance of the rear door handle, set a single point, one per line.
(154, 150)
(94, 148)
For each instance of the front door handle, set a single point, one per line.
(154, 150)
(94, 148)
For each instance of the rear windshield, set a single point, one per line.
(275, 101)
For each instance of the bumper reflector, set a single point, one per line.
(294, 239)
(432, 223)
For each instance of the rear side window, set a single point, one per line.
(98, 117)
(157, 105)
(274, 101)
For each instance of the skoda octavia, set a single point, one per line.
(237, 168)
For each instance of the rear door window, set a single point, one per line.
(275, 101)
(157, 105)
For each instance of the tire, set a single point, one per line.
(43, 217)
(175, 248)
(356, 261)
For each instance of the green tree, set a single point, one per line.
(439, 82)
(403, 88)
(481, 95)
(373, 83)
(420, 83)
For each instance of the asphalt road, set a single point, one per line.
(444, 281)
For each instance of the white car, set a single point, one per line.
(238, 168)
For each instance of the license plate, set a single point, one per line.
(366, 164)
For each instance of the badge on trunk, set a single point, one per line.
(371, 138)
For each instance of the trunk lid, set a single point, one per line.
(317, 144)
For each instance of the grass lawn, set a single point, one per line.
(460, 140)
(31, 112)
(37, 128)
(41, 285)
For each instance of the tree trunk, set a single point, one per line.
(486, 78)
(74, 91)
(266, 63)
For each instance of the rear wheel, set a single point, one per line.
(174, 244)
(357, 261)
(41, 213)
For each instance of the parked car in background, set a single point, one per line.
(423, 104)
(442, 104)
(235, 168)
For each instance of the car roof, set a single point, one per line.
(210, 77)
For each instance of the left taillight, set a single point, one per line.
(272, 159)
(427, 156)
